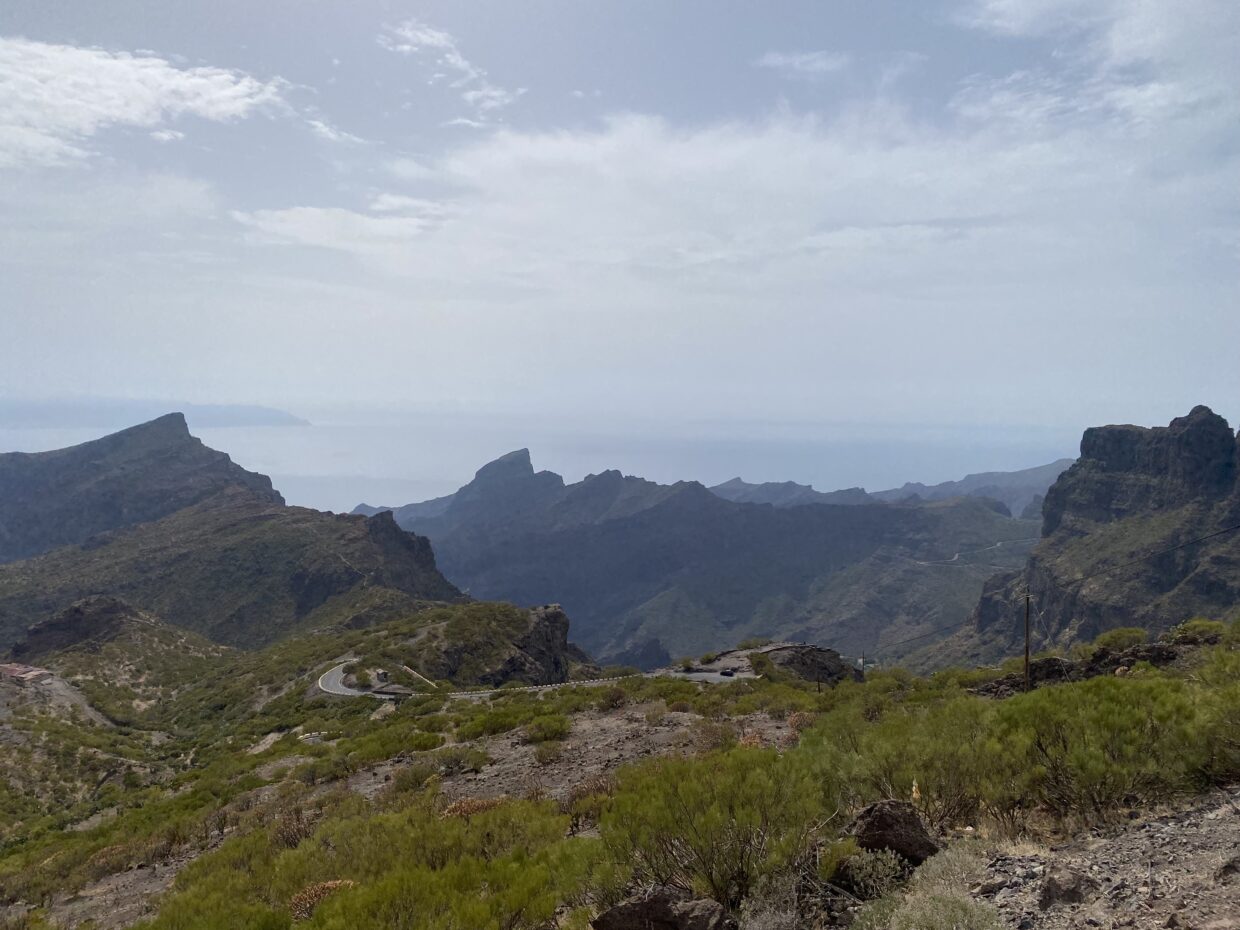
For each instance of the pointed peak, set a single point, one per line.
(170, 424)
(514, 464)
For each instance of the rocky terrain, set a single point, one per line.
(1180, 869)
(653, 572)
(1118, 543)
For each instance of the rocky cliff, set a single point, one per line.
(1118, 540)
(61, 498)
(497, 643)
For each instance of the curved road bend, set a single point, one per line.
(332, 682)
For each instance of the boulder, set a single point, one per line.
(1063, 885)
(894, 825)
(664, 909)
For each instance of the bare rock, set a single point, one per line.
(664, 909)
(1066, 886)
(894, 825)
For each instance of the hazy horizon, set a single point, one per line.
(340, 459)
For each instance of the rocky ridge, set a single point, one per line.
(144, 473)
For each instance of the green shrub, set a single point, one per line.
(944, 912)
(1121, 638)
(1197, 631)
(871, 874)
(547, 727)
(718, 823)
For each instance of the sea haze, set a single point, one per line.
(336, 462)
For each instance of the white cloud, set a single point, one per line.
(329, 132)
(412, 37)
(804, 64)
(167, 135)
(53, 98)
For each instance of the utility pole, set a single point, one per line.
(1028, 598)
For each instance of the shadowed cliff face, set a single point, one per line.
(1129, 470)
(1134, 493)
(64, 497)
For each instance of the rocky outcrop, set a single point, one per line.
(893, 825)
(1139, 532)
(1053, 670)
(92, 619)
(1129, 471)
(664, 909)
(141, 474)
(815, 663)
(543, 655)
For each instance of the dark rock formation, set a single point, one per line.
(1118, 546)
(494, 644)
(893, 825)
(61, 498)
(1131, 470)
(814, 663)
(543, 655)
(1051, 670)
(664, 909)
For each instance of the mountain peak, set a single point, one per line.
(514, 464)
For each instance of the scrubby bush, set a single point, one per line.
(719, 822)
(547, 727)
(1121, 638)
(1197, 631)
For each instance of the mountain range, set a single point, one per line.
(649, 571)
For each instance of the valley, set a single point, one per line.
(217, 707)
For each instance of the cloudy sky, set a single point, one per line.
(966, 212)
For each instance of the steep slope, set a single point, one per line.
(237, 567)
(1117, 544)
(649, 570)
(786, 494)
(60, 498)
(1016, 489)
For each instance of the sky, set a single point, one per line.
(967, 215)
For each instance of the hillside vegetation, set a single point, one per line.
(292, 831)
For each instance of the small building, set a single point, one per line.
(23, 674)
